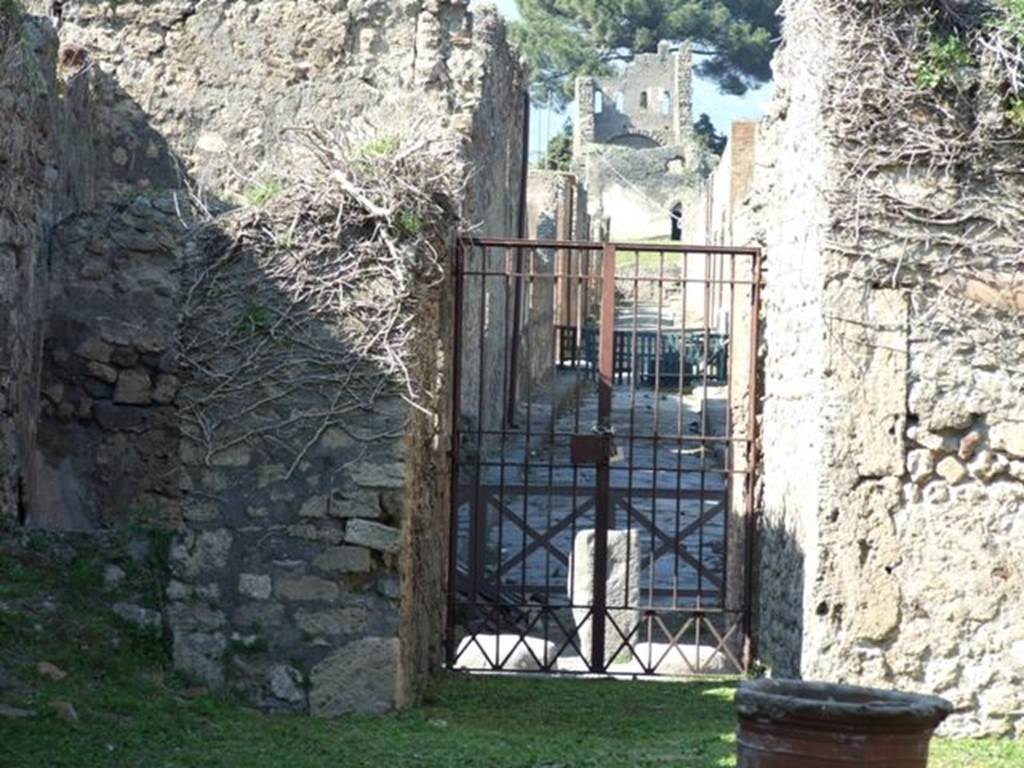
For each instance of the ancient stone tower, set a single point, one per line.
(634, 145)
(647, 105)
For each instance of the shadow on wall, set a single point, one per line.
(313, 393)
(108, 437)
(778, 597)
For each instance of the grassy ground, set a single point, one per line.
(130, 711)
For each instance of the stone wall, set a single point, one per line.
(309, 575)
(634, 192)
(108, 428)
(717, 218)
(44, 175)
(893, 488)
(315, 584)
(650, 99)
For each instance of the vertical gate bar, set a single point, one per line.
(553, 386)
(729, 474)
(704, 435)
(504, 426)
(517, 320)
(478, 519)
(581, 315)
(532, 262)
(750, 641)
(633, 367)
(606, 365)
(454, 463)
(680, 419)
(656, 437)
(521, 226)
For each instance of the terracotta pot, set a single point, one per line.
(793, 724)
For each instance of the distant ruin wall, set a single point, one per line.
(893, 492)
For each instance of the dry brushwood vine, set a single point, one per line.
(303, 311)
(921, 114)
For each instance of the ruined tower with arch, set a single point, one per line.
(635, 148)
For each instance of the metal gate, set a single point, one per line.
(604, 456)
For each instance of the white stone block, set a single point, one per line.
(622, 590)
(508, 652)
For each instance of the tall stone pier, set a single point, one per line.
(888, 200)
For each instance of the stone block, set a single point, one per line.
(969, 445)
(201, 655)
(133, 388)
(141, 618)
(622, 589)
(235, 456)
(920, 465)
(377, 536)
(344, 560)
(192, 554)
(1008, 436)
(195, 511)
(305, 589)
(124, 357)
(95, 349)
(315, 507)
(358, 677)
(370, 474)
(102, 372)
(339, 621)
(166, 388)
(285, 683)
(54, 392)
(255, 586)
(507, 652)
(118, 418)
(258, 615)
(195, 616)
(345, 504)
(987, 465)
(951, 470)
(327, 534)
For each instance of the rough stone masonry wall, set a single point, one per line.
(893, 480)
(43, 175)
(209, 91)
(317, 587)
(108, 426)
(309, 575)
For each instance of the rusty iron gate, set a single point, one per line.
(604, 457)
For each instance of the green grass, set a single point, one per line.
(626, 261)
(133, 712)
(262, 192)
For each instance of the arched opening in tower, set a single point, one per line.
(677, 222)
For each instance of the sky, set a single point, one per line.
(723, 109)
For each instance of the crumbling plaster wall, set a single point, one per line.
(634, 191)
(893, 490)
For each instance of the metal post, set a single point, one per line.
(602, 501)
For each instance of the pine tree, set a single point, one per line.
(563, 39)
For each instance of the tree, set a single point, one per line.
(558, 156)
(705, 130)
(563, 39)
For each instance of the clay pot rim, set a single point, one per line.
(819, 701)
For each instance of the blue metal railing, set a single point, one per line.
(705, 353)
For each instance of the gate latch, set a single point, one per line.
(597, 448)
